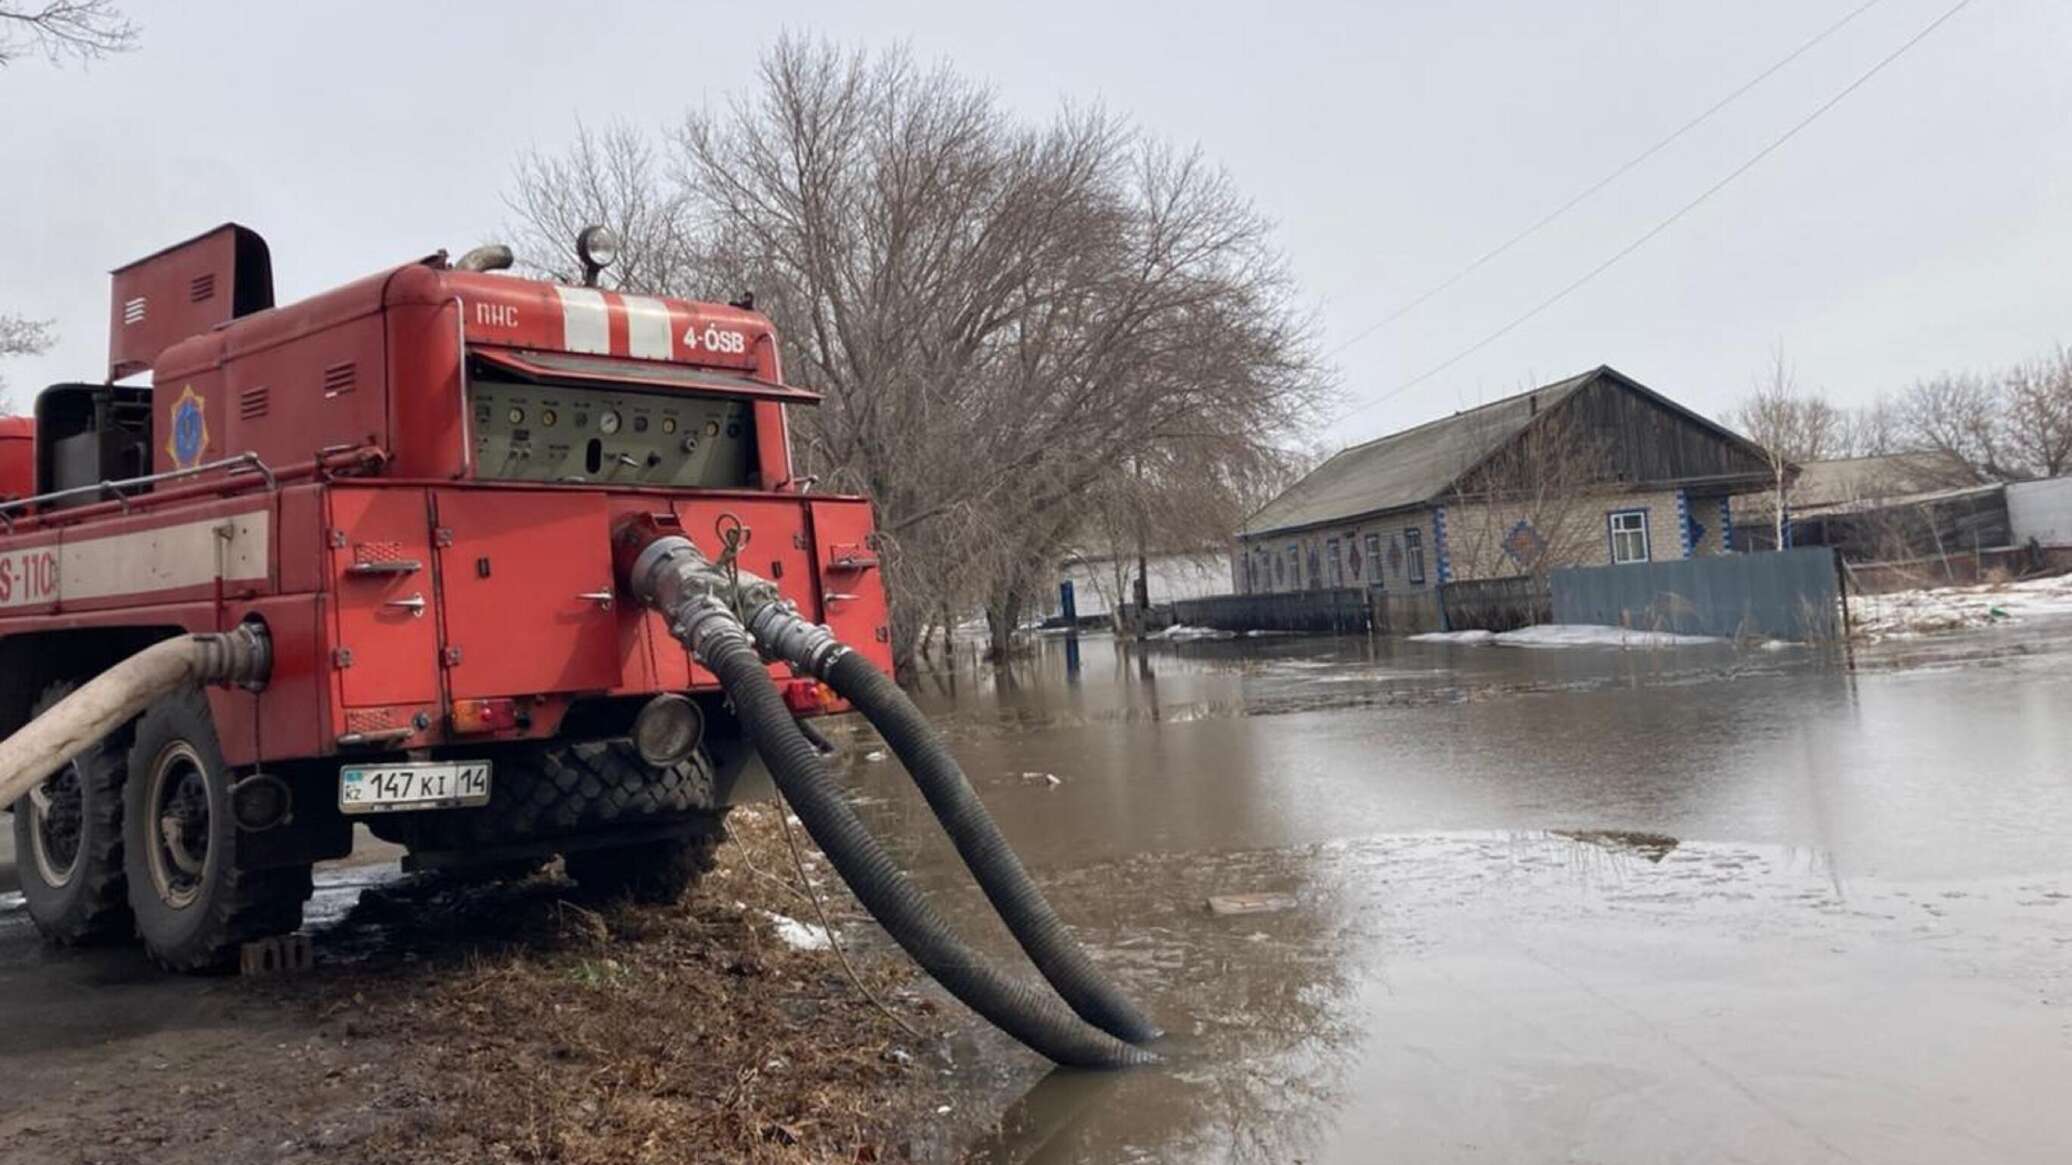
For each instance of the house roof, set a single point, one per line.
(1852, 479)
(1408, 468)
(1417, 466)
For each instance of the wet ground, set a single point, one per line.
(1701, 904)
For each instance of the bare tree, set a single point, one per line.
(21, 337)
(1956, 418)
(1791, 426)
(1002, 316)
(2037, 425)
(1870, 430)
(610, 178)
(82, 30)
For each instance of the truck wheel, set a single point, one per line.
(653, 872)
(194, 906)
(68, 842)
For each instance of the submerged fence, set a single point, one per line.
(1342, 609)
(1496, 604)
(1788, 594)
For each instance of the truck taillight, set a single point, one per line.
(471, 716)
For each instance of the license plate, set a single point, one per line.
(390, 788)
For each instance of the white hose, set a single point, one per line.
(120, 694)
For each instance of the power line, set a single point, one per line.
(1666, 223)
(1605, 181)
(1636, 244)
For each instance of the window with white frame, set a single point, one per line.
(1413, 555)
(1374, 578)
(1334, 564)
(1629, 535)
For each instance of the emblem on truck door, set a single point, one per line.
(190, 429)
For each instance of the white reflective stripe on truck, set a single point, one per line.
(139, 562)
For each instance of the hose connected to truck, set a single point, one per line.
(699, 599)
(120, 694)
(813, 650)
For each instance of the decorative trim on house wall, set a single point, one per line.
(1726, 525)
(1445, 560)
(1683, 522)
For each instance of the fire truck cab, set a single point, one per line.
(411, 483)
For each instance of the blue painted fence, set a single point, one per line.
(1786, 594)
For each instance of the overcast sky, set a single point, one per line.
(1921, 225)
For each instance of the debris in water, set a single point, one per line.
(1229, 904)
(875, 755)
(1652, 846)
(1050, 779)
(799, 936)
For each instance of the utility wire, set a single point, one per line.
(1301, 486)
(1666, 223)
(1607, 180)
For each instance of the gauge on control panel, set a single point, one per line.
(608, 421)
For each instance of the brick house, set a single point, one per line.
(1596, 469)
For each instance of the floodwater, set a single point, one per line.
(1701, 904)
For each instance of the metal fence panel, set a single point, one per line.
(1790, 594)
(1342, 609)
(2041, 510)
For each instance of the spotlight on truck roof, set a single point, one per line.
(598, 248)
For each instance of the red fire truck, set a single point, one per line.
(409, 484)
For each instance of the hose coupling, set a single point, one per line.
(706, 625)
(670, 569)
(784, 634)
(242, 656)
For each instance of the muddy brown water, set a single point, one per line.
(1701, 904)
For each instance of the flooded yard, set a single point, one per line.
(1695, 904)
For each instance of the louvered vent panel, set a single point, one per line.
(339, 378)
(252, 403)
(201, 287)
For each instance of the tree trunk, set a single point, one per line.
(1003, 615)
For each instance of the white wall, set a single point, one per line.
(1173, 576)
(2041, 510)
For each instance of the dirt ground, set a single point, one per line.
(488, 1024)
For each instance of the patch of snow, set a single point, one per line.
(1590, 635)
(800, 936)
(875, 755)
(1567, 635)
(1904, 614)
(1779, 645)
(1455, 637)
(1181, 632)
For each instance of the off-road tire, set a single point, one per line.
(89, 904)
(653, 872)
(225, 906)
(554, 790)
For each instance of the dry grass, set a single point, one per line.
(690, 1033)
